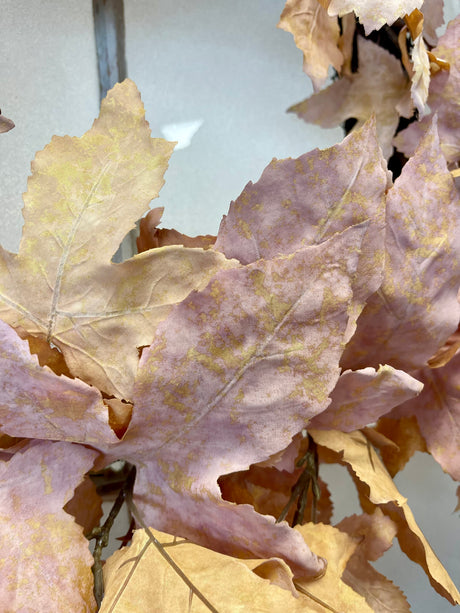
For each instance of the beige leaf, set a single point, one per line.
(62, 286)
(316, 35)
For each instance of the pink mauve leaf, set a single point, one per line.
(433, 18)
(443, 99)
(233, 373)
(416, 308)
(36, 403)
(45, 563)
(362, 396)
(307, 200)
(437, 410)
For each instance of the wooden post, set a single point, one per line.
(109, 29)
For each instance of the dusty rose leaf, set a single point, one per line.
(433, 18)
(437, 410)
(373, 14)
(375, 484)
(331, 588)
(316, 34)
(133, 574)
(305, 201)
(362, 396)
(405, 432)
(357, 96)
(235, 371)
(152, 237)
(45, 560)
(62, 286)
(416, 308)
(36, 403)
(443, 99)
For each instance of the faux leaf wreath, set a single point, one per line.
(225, 374)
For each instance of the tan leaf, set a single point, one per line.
(405, 432)
(316, 35)
(376, 484)
(62, 286)
(151, 237)
(357, 96)
(134, 574)
(331, 589)
(376, 533)
(85, 505)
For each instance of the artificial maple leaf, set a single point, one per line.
(405, 432)
(235, 371)
(37, 403)
(305, 201)
(356, 96)
(316, 34)
(45, 561)
(437, 410)
(443, 99)
(151, 237)
(85, 505)
(61, 286)
(331, 589)
(133, 574)
(362, 396)
(373, 14)
(433, 18)
(376, 486)
(416, 309)
(376, 533)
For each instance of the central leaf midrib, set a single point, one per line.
(65, 254)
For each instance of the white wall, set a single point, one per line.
(225, 64)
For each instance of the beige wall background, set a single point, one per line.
(224, 69)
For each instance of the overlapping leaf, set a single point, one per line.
(376, 533)
(61, 286)
(236, 370)
(36, 403)
(443, 99)
(316, 34)
(377, 487)
(356, 95)
(362, 396)
(373, 14)
(437, 411)
(416, 308)
(45, 563)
